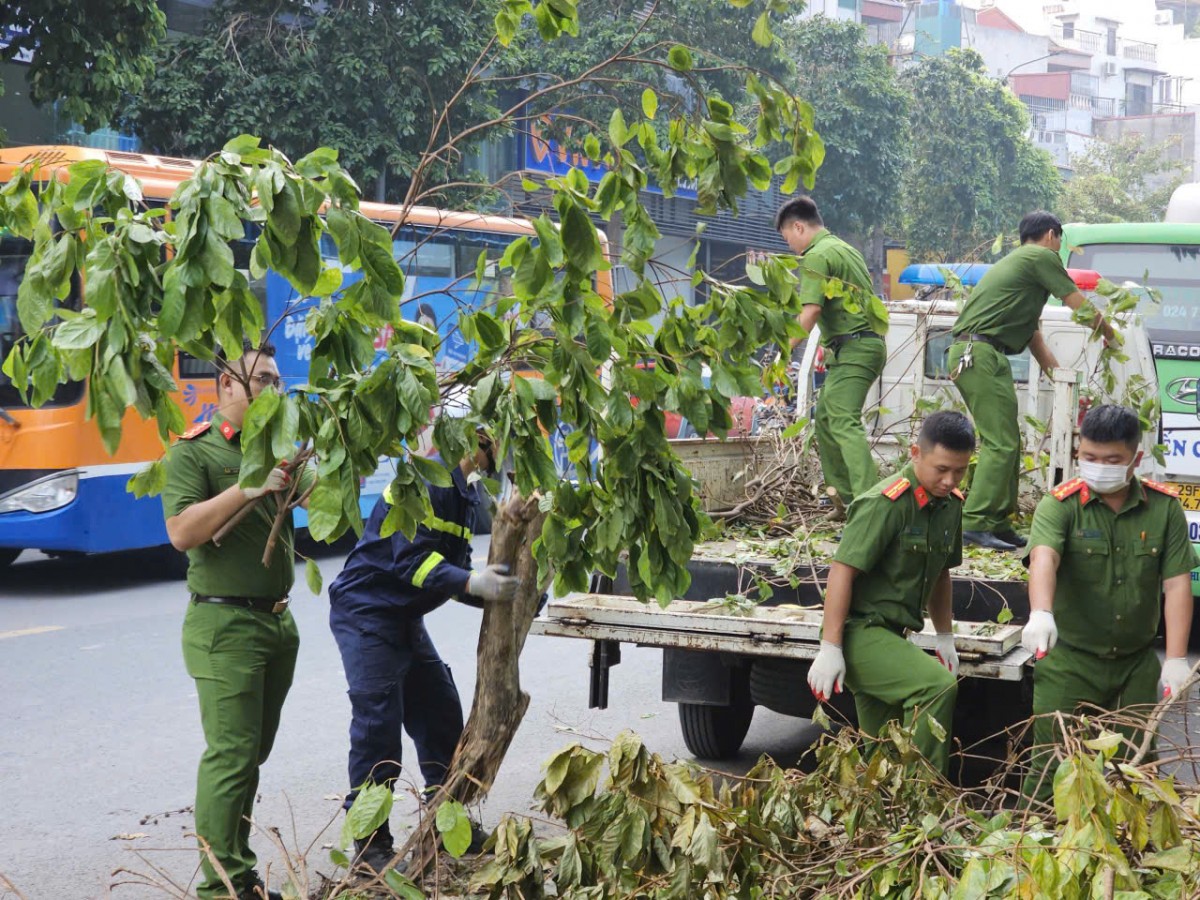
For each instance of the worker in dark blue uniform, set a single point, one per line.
(396, 677)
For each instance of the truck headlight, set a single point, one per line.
(42, 496)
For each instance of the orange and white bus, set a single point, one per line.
(61, 492)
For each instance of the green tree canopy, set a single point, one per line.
(367, 78)
(86, 54)
(861, 110)
(1127, 180)
(974, 172)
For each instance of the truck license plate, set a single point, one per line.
(1189, 495)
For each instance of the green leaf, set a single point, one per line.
(80, 332)
(454, 825)
(1004, 616)
(370, 809)
(680, 58)
(312, 575)
(431, 470)
(649, 103)
(150, 481)
(761, 34)
(402, 885)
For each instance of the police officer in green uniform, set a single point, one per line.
(854, 353)
(239, 639)
(901, 540)
(1000, 319)
(1103, 549)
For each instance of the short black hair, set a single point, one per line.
(1037, 223)
(221, 360)
(803, 209)
(948, 429)
(1112, 424)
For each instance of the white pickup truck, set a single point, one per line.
(719, 666)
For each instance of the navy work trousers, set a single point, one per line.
(396, 680)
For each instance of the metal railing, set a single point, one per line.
(1087, 41)
(1139, 50)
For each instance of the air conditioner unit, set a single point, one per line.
(1111, 68)
(1164, 17)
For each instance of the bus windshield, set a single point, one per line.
(1172, 269)
(14, 254)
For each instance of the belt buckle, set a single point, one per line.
(281, 605)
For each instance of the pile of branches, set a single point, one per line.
(875, 823)
(781, 487)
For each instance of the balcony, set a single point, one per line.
(1140, 51)
(1084, 41)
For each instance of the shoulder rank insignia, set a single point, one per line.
(896, 489)
(196, 430)
(1161, 488)
(1070, 488)
(957, 493)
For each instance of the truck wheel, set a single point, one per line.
(781, 686)
(717, 732)
(8, 555)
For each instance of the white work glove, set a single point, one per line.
(1174, 673)
(276, 481)
(946, 652)
(827, 672)
(493, 583)
(1041, 634)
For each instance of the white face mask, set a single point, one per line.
(1103, 478)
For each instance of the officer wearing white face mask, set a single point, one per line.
(1103, 548)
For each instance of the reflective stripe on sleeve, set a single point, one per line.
(428, 566)
(449, 527)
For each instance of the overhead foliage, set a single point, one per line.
(366, 78)
(592, 358)
(861, 111)
(974, 172)
(85, 55)
(1126, 180)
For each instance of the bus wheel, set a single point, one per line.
(8, 555)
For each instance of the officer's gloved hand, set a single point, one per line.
(493, 583)
(1175, 672)
(1041, 634)
(276, 481)
(827, 672)
(947, 653)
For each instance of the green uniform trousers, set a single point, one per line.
(242, 661)
(1067, 677)
(846, 459)
(892, 678)
(991, 396)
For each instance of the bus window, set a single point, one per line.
(1172, 269)
(14, 254)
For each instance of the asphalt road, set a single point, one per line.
(100, 732)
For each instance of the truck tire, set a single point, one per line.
(781, 685)
(717, 732)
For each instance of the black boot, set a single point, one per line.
(373, 854)
(254, 889)
(1010, 536)
(987, 540)
(479, 837)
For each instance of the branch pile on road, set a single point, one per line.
(864, 824)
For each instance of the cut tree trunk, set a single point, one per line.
(499, 704)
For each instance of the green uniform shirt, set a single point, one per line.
(900, 539)
(828, 256)
(199, 468)
(1113, 564)
(1008, 301)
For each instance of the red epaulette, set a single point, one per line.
(896, 489)
(1161, 488)
(228, 431)
(1070, 488)
(196, 430)
(959, 494)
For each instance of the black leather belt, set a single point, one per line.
(835, 344)
(261, 604)
(984, 339)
